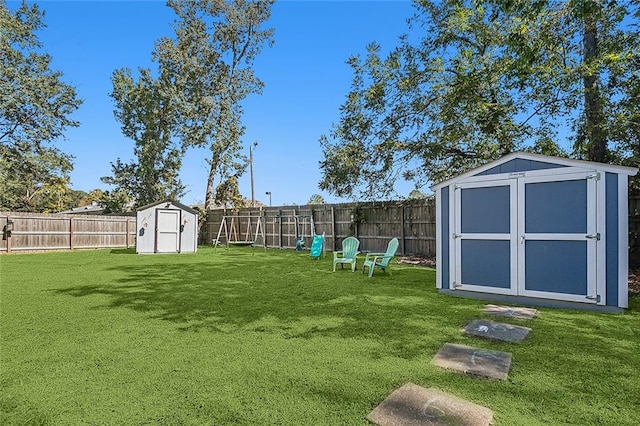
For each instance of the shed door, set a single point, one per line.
(167, 231)
(531, 236)
(485, 236)
(558, 237)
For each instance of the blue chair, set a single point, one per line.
(380, 260)
(350, 246)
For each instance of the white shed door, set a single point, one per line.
(168, 231)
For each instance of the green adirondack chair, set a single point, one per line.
(380, 260)
(350, 246)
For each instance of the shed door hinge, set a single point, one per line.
(596, 298)
(455, 285)
(595, 176)
(454, 235)
(595, 236)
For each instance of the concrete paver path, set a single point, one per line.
(413, 405)
(474, 361)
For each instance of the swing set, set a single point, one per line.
(240, 230)
(244, 230)
(291, 230)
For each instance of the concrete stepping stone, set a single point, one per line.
(510, 311)
(496, 331)
(413, 405)
(474, 361)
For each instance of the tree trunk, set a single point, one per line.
(210, 197)
(595, 134)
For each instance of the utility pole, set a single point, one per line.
(253, 195)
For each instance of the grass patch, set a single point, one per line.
(271, 337)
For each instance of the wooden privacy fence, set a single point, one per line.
(36, 232)
(374, 224)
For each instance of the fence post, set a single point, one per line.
(70, 233)
(333, 228)
(404, 241)
(280, 228)
(8, 237)
(126, 239)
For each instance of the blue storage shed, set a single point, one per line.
(536, 230)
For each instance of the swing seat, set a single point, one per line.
(241, 243)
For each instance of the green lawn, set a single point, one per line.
(272, 337)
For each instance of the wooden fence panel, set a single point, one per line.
(38, 232)
(413, 223)
(374, 224)
(378, 225)
(420, 228)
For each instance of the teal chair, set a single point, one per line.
(350, 246)
(380, 260)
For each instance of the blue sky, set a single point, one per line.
(305, 74)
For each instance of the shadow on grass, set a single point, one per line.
(572, 359)
(130, 250)
(284, 293)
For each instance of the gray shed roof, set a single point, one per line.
(168, 200)
(629, 171)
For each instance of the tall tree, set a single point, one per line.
(146, 109)
(35, 104)
(210, 60)
(35, 108)
(480, 79)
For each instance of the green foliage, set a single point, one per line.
(93, 196)
(265, 337)
(476, 81)
(209, 63)
(116, 201)
(316, 199)
(35, 108)
(416, 194)
(146, 109)
(228, 194)
(35, 104)
(34, 179)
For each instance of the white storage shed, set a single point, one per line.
(166, 227)
(536, 230)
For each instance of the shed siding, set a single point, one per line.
(519, 165)
(612, 236)
(444, 194)
(145, 242)
(188, 235)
